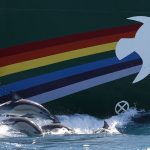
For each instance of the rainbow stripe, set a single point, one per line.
(39, 70)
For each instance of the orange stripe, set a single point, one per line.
(61, 48)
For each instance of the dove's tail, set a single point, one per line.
(125, 47)
(143, 73)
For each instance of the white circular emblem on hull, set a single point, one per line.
(121, 107)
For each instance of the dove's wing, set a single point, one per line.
(142, 19)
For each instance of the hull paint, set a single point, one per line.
(62, 55)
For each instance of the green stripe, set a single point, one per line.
(101, 100)
(54, 67)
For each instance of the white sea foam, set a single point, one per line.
(80, 123)
(85, 124)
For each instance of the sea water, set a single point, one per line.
(129, 137)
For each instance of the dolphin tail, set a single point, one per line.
(125, 47)
(142, 19)
(105, 126)
(142, 74)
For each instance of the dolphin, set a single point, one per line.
(55, 126)
(23, 125)
(25, 108)
(30, 128)
(105, 128)
(139, 44)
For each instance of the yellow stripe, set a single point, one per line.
(26, 65)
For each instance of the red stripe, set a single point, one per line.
(61, 48)
(67, 39)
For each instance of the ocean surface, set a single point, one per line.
(123, 135)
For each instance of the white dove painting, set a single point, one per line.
(139, 44)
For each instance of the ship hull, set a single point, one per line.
(70, 65)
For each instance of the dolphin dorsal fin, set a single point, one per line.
(15, 97)
(105, 126)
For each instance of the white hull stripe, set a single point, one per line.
(83, 85)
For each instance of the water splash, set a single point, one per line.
(81, 124)
(85, 124)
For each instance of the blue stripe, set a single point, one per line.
(86, 84)
(34, 81)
